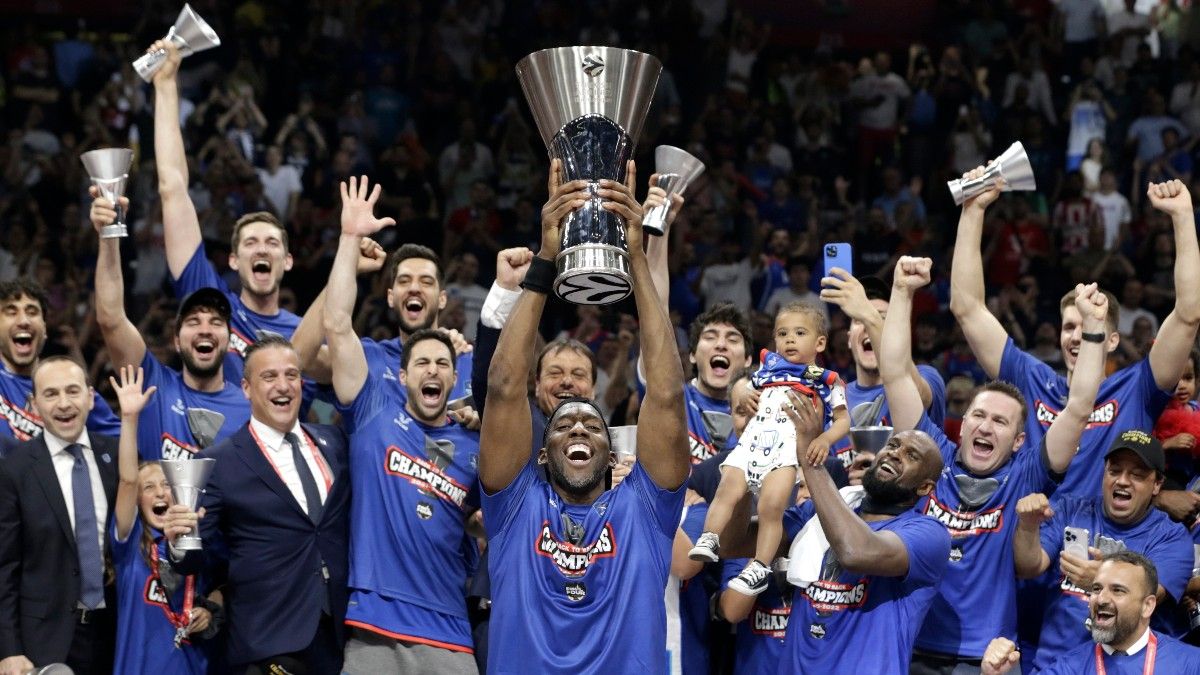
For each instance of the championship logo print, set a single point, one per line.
(1068, 587)
(827, 597)
(573, 560)
(424, 510)
(173, 448)
(24, 424)
(238, 343)
(575, 591)
(425, 476)
(155, 593)
(965, 523)
(1102, 415)
(770, 621)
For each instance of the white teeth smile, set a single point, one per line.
(578, 452)
(281, 401)
(719, 362)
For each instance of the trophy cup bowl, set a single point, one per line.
(624, 440)
(869, 439)
(676, 169)
(109, 170)
(187, 478)
(589, 104)
(190, 33)
(1013, 166)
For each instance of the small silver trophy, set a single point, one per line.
(1013, 166)
(624, 440)
(589, 104)
(190, 33)
(676, 170)
(109, 170)
(187, 478)
(869, 439)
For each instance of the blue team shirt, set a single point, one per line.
(857, 393)
(587, 607)
(977, 600)
(19, 420)
(759, 644)
(710, 426)
(145, 634)
(687, 609)
(1167, 544)
(245, 326)
(163, 428)
(1171, 656)
(414, 487)
(859, 624)
(384, 358)
(1128, 399)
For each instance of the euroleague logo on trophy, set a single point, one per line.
(593, 65)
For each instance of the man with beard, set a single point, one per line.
(1121, 603)
(1131, 398)
(259, 247)
(976, 496)
(22, 336)
(865, 302)
(193, 408)
(884, 560)
(1122, 518)
(570, 560)
(413, 477)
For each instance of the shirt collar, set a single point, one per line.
(1133, 648)
(271, 437)
(56, 445)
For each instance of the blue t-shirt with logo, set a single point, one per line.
(20, 421)
(855, 623)
(576, 588)
(977, 600)
(1128, 399)
(1167, 544)
(384, 358)
(710, 426)
(1170, 656)
(687, 609)
(414, 488)
(759, 643)
(145, 635)
(165, 427)
(856, 393)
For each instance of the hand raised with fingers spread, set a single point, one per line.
(129, 390)
(562, 200)
(358, 208)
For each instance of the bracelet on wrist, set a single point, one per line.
(540, 276)
(1092, 337)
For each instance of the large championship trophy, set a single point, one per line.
(109, 170)
(1013, 166)
(190, 33)
(187, 478)
(589, 104)
(676, 169)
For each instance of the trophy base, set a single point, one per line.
(655, 221)
(593, 274)
(188, 542)
(115, 231)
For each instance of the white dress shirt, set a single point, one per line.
(64, 463)
(1133, 648)
(280, 454)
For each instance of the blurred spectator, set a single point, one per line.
(280, 184)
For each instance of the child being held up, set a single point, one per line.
(765, 459)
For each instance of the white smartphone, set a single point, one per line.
(1075, 541)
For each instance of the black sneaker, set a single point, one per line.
(706, 548)
(752, 580)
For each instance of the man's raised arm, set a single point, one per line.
(181, 227)
(895, 349)
(967, 299)
(345, 349)
(1169, 353)
(662, 427)
(1062, 439)
(507, 431)
(126, 346)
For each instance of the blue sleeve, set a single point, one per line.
(795, 517)
(122, 550)
(928, 545)
(485, 347)
(1051, 533)
(937, 387)
(730, 568)
(949, 450)
(664, 505)
(693, 520)
(102, 420)
(199, 273)
(1020, 369)
(1156, 399)
(1173, 556)
(706, 476)
(504, 504)
(371, 399)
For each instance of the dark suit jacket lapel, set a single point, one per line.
(47, 479)
(249, 452)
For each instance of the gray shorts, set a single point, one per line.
(369, 653)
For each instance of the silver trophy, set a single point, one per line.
(190, 33)
(624, 440)
(188, 478)
(109, 170)
(676, 170)
(589, 104)
(1013, 166)
(869, 439)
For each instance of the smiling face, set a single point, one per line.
(1129, 487)
(429, 377)
(22, 333)
(1120, 605)
(720, 354)
(991, 432)
(577, 453)
(154, 495)
(260, 258)
(271, 381)
(1071, 333)
(904, 470)
(62, 397)
(202, 340)
(416, 295)
(565, 373)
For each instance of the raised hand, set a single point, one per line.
(1033, 510)
(672, 212)
(1092, 305)
(1171, 197)
(511, 266)
(1000, 657)
(129, 390)
(985, 198)
(371, 256)
(845, 291)
(912, 273)
(809, 420)
(461, 346)
(562, 200)
(358, 208)
(170, 66)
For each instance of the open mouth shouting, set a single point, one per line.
(431, 393)
(1122, 499)
(888, 469)
(719, 365)
(159, 508)
(1105, 616)
(578, 454)
(413, 307)
(260, 269)
(982, 449)
(282, 403)
(23, 344)
(205, 346)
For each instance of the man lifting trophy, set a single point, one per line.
(589, 104)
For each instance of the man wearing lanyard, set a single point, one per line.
(1121, 603)
(279, 497)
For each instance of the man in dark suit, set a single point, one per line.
(279, 500)
(56, 492)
